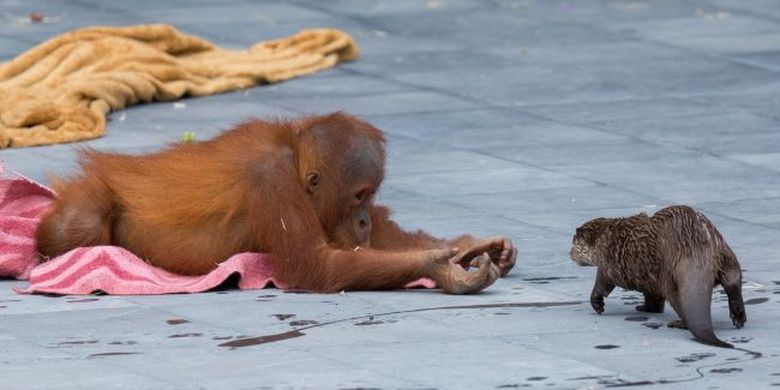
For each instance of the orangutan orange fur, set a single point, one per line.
(301, 190)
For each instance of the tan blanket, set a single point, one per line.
(61, 90)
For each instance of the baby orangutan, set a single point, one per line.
(675, 255)
(301, 190)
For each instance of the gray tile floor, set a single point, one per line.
(518, 117)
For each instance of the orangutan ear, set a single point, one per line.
(312, 181)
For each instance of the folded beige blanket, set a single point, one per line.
(61, 90)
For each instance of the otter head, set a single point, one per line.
(585, 244)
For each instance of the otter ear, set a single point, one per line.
(584, 231)
(312, 181)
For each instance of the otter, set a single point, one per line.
(676, 255)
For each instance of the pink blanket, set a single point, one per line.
(112, 270)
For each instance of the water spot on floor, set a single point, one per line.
(756, 301)
(222, 337)
(653, 325)
(499, 305)
(176, 321)
(775, 374)
(369, 322)
(606, 346)
(725, 370)
(502, 313)
(740, 339)
(77, 342)
(303, 322)
(10, 300)
(294, 291)
(637, 318)
(250, 341)
(267, 296)
(536, 378)
(282, 317)
(694, 357)
(590, 377)
(624, 383)
(94, 355)
(183, 335)
(731, 359)
(777, 282)
(83, 300)
(3, 306)
(547, 279)
(360, 388)
(123, 343)
(242, 341)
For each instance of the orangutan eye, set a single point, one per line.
(361, 196)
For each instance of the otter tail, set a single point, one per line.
(694, 301)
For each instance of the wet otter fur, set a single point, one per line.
(676, 255)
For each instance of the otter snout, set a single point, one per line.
(580, 255)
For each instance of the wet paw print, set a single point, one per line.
(694, 357)
(303, 323)
(265, 298)
(653, 325)
(725, 370)
(741, 339)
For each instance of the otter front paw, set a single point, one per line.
(598, 303)
(738, 316)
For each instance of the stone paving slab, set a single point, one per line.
(522, 118)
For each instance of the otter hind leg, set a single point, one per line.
(730, 277)
(692, 299)
(653, 304)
